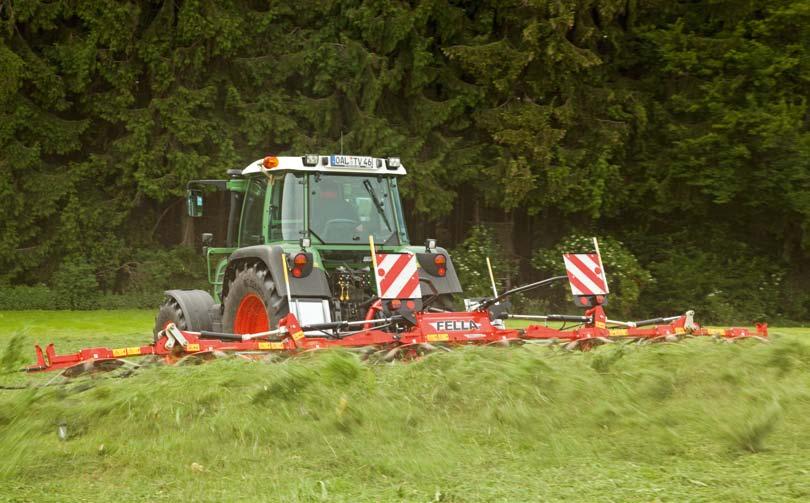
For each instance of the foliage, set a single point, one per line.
(626, 277)
(75, 284)
(634, 117)
(737, 289)
(153, 271)
(28, 297)
(470, 262)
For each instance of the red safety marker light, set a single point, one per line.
(411, 304)
(297, 272)
(441, 271)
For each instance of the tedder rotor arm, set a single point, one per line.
(524, 288)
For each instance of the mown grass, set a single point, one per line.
(698, 420)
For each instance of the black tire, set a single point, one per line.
(253, 279)
(169, 312)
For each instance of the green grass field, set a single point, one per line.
(697, 421)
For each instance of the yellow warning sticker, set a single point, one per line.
(133, 351)
(600, 324)
(437, 337)
(298, 335)
(680, 330)
(618, 331)
(192, 347)
(119, 352)
(271, 345)
(717, 331)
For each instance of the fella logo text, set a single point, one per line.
(455, 325)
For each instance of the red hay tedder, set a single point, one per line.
(410, 333)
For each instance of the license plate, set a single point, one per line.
(351, 161)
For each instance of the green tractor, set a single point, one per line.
(298, 238)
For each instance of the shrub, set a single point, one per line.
(17, 298)
(152, 271)
(470, 262)
(75, 284)
(142, 282)
(720, 286)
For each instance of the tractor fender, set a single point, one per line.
(314, 284)
(427, 274)
(196, 306)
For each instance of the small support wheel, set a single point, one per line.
(169, 312)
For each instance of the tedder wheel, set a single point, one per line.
(252, 304)
(169, 312)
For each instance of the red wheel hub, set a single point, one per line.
(251, 316)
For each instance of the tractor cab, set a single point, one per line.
(325, 206)
(298, 239)
(326, 200)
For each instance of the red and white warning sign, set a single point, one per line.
(585, 273)
(397, 276)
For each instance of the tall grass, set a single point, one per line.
(670, 422)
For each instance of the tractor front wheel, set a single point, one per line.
(252, 304)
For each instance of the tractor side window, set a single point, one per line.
(287, 207)
(252, 213)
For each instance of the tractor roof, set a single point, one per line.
(339, 163)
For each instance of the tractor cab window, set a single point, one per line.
(287, 207)
(346, 209)
(250, 232)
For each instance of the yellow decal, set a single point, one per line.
(119, 352)
(437, 337)
(192, 347)
(298, 335)
(680, 330)
(133, 351)
(717, 331)
(618, 331)
(600, 324)
(271, 345)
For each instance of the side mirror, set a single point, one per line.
(194, 201)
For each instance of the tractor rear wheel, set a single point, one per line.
(252, 304)
(169, 312)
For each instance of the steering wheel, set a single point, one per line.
(338, 224)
